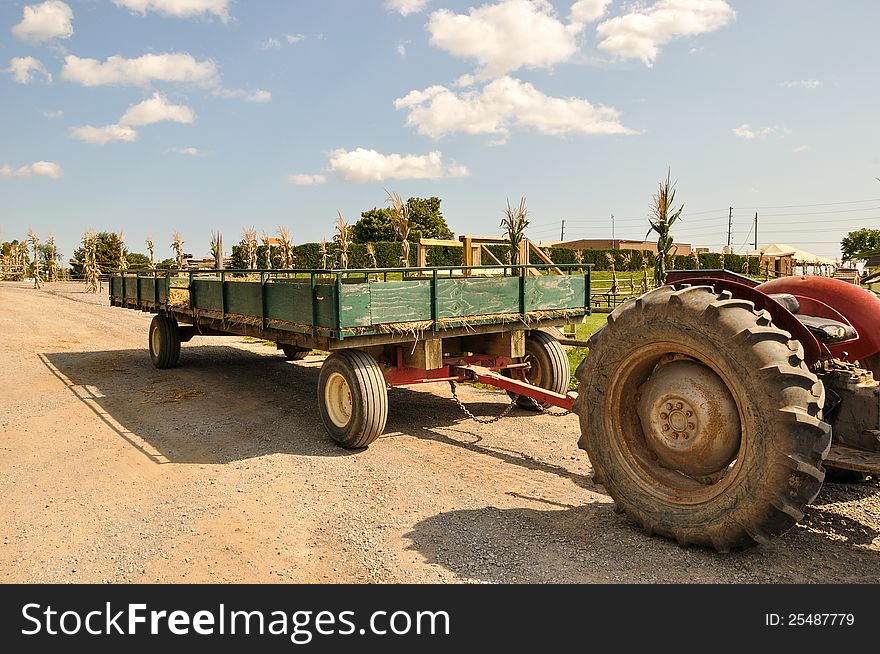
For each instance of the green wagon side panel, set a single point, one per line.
(206, 295)
(325, 299)
(291, 302)
(149, 288)
(243, 298)
(354, 305)
(477, 296)
(400, 301)
(555, 292)
(131, 287)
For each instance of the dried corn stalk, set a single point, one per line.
(611, 265)
(286, 247)
(35, 246)
(177, 246)
(249, 237)
(217, 250)
(324, 253)
(695, 256)
(267, 243)
(342, 240)
(515, 223)
(52, 273)
(151, 248)
(91, 271)
(401, 224)
(122, 261)
(371, 253)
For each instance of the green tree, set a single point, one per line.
(137, 261)
(425, 217)
(107, 256)
(859, 241)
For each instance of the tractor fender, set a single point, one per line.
(814, 351)
(826, 297)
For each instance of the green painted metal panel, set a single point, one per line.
(477, 296)
(243, 298)
(289, 301)
(400, 301)
(325, 300)
(354, 305)
(131, 287)
(554, 292)
(206, 294)
(147, 288)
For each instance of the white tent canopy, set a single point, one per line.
(800, 257)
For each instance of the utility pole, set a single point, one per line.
(562, 233)
(612, 230)
(756, 230)
(729, 226)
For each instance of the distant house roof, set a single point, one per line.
(800, 257)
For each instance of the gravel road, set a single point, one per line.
(220, 471)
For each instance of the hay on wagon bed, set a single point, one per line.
(178, 298)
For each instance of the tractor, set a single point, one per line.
(711, 407)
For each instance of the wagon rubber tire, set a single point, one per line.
(353, 398)
(164, 342)
(781, 439)
(294, 353)
(550, 368)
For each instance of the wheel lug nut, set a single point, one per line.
(689, 414)
(669, 405)
(679, 405)
(664, 415)
(665, 427)
(691, 426)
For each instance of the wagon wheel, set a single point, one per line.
(294, 353)
(164, 341)
(353, 398)
(549, 368)
(701, 419)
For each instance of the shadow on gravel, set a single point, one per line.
(222, 404)
(592, 544)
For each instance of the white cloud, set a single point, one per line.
(54, 115)
(362, 165)
(505, 36)
(294, 38)
(587, 11)
(746, 132)
(181, 68)
(802, 84)
(38, 169)
(306, 180)
(23, 69)
(156, 109)
(179, 8)
(504, 103)
(802, 148)
(190, 152)
(104, 135)
(640, 33)
(401, 48)
(270, 44)
(257, 97)
(406, 7)
(52, 19)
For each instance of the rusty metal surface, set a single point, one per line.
(689, 418)
(849, 458)
(491, 378)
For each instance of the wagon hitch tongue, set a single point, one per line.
(491, 378)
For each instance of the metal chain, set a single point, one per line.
(506, 412)
(482, 421)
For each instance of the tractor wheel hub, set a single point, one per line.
(689, 418)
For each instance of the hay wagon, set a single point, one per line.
(382, 328)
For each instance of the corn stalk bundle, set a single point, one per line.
(644, 288)
(177, 246)
(662, 217)
(286, 247)
(400, 222)
(52, 272)
(342, 240)
(151, 248)
(122, 261)
(250, 248)
(217, 250)
(324, 253)
(611, 265)
(514, 224)
(35, 246)
(267, 243)
(371, 253)
(91, 271)
(696, 258)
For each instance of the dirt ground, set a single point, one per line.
(220, 471)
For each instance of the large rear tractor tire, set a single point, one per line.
(549, 368)
(701, 419)
(164, 342)
(294, 353)
(353, 398)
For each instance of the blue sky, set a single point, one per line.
(197, 115)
